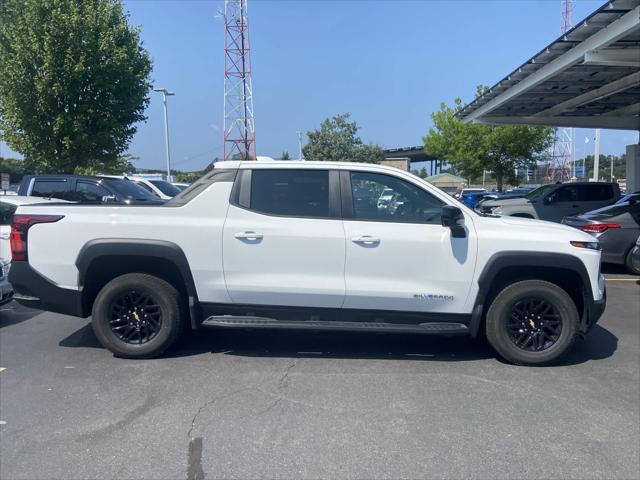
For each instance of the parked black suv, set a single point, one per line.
(86, 189)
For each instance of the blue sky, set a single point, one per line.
(388, 63)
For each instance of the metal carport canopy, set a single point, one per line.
(589, 77)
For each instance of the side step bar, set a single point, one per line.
(436, 328)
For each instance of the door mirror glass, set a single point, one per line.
(453, 218)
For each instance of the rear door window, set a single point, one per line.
(51, 188)
(294, 193)
(596, 193)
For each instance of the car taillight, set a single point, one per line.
(20, 227)
(598, 227)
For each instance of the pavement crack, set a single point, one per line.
(271, 407)
(284, 379)
(283, 383)
(206, 405)
(194, 451)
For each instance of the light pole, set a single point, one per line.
(166, 93)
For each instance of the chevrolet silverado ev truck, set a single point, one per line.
(309, 245)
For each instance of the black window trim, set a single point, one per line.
(241, 193)
(347, 199)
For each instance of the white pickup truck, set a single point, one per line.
(309, 245)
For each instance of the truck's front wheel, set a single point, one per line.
(532, 322)
(137, 316)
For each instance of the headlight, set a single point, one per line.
(496, 210)
(589, 245)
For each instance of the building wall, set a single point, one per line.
(401, 163)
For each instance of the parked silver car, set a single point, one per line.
(553, 202)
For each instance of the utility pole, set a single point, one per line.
(611, 179)
(239, 126)
(300, 157)
(165, 94)
(596, 157)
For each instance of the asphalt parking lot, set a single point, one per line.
(239, 404)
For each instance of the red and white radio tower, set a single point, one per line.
(239, 127)
(562, 162)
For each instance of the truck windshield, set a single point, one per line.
(129, 190)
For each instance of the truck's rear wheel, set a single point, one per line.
(532, 322)
(137, 316)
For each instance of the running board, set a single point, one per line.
(436, 328)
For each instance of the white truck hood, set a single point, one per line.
(549, 228)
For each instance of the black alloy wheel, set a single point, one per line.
(137, 315)
(136, 318)
(534, 324)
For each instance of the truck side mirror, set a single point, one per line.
(453, 218)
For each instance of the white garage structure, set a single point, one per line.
(589, 78)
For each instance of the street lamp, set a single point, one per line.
(166, 93)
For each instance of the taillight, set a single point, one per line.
(20, 227)
(598, 227)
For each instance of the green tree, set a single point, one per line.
(75, 80)
(422, 173)
(337, 140)
(285, 156)
(473, 148)
(187, 177)
(604, 170)
(14, 167)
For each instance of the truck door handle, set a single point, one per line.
(366, 240)
(248, 236)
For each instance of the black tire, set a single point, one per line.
(515, 323)
(113, 323)
(628, 263)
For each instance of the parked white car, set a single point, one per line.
(302, 245)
